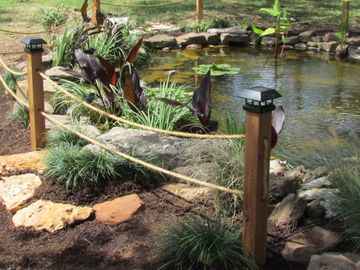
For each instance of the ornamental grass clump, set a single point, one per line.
(202, 243)
(57, 136)
(20, 113)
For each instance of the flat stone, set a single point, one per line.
(305, 36)
(317, 183)
(342, 50)
(300, 46)
(353, 40)
(316, 194)
(354, 52)
(317, 39)
(57, 73)
(280, 187)
(118, 210)
(191, 38)
(24, 162)
(187, 192)
(330, 37)
(314, 241)
(287, 213)
(230, 30)
(211, 39)
(330, 262)
(328, 46)
(17, 190)
(232, 38)
(193, 47)
(291, 40)
(160, 41)
(50, 216)
(64, 119)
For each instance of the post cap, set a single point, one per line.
(33, 44)
(259, 93)
(259, 99)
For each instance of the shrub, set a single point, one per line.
(20, 113)
(9, 79)
(52, 17)
(219, 23)
(202, 243)
(73, 165)
(57, 136)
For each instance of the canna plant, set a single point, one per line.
(282, 25)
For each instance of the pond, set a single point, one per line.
(320, 93)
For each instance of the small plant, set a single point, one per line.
(202, 243)
(220, 23)
(53, 17)
(74, 166)
(58, 136)
(9, 79)
(20, 113)
(233, 125)
(344, 24)
(216, 70)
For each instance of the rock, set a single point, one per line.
(25, 162)
(193, 47)
(353, 41)
(305, 36)
(330, 37)
(328, 46)
(191, 38)
(317, 39)
(21, 66)
(118, 210)
(316, 194)
(291, 40)
(298, 172)
(161, 27)
(47, 60)
(90, 130)
(317, 183)
(280, 187)
(17, 190)
(119, 20)
(300, 46)
(287, 213)
(351, 256)
(48, 108)
(231, 38)
(50, 216)
(342, 50)
(204, 171)
(187, 192)
(286, 47)
(316, 240)
(314, 209)
(64, 119)
(57, 73)
(230, 30)
(160, 41)
(212, 39)
(354, 52)
(277, 167)
(268, 41)
(330, 262)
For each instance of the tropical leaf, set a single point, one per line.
(270, 11)
(268, 31)
(256, 30)
(201, 100)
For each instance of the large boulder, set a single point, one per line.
(160, 41)
(191, 38)
(234, 38)
(330, 262)
(50, 216)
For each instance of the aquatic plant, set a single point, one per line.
(216, 69)
(202, 243)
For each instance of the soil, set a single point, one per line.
(14, 136)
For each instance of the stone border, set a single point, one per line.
(305, 41)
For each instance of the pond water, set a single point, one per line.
(319, 92)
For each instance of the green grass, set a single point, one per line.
(202, 243)
(57, 136)
(20, 113)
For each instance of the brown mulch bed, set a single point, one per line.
(14, 136)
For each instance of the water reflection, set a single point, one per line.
(318, 91)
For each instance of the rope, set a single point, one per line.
(6, 53)
(12, 71)
(31, 33)
(136, 125)
(8, 89)
(143, 163)
(148, 5)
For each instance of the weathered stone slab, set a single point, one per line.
(354, 52)
(239, 39)
(64, 119)
(300, 46)
(330, 37)
(330, 262)
(328, 46)
(187, 192)
(212, 39)
(50, 216)
(58, 73)
(24, 162)
(191, 38)
(353, 40)
(17, 190)
(306, 36)
(160, 41)
(118, 210)
(230, 30)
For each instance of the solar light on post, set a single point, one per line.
(34, 50)
(258, 107)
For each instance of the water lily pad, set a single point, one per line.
(217, 70)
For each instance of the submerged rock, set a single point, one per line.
(50, 216)
(17, 190)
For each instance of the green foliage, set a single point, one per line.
(73, 165)
(9, 79)
(199, 27)
(52, 17)
(202, 243)
(233, 125)
(219, 23)
(58, 136)
(157, 114)
(216, 70)
(20, 113)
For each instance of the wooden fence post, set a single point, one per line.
(95, 10)
(345, 16)
(258, 107)
(33, 49)
(199, 10)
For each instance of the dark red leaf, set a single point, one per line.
(201, 100)
(134, 51)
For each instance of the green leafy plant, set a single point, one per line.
(233, 125)
(9, 79)
(282, 24)
(58, 136)
(52, 17)
(216, 70)
(20, 113)
(202, 243)
(220, 23)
